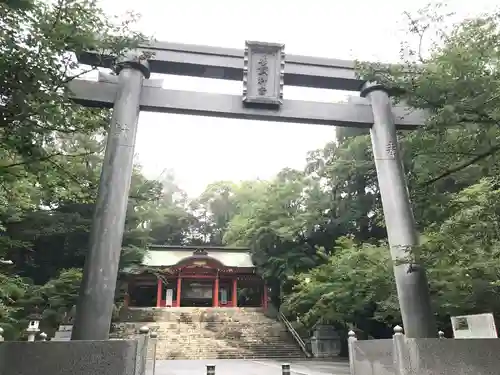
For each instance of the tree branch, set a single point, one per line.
(45, 158)
(447, 153)
(464, 165)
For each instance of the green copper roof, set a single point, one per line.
(165, 256)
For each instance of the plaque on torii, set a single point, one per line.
(263, 73)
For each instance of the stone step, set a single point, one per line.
(231, 347)
(229, 356)
(228, 335)
(211, 333)
(195, 357)
(227, 351)
(151, 314)
(219, 345)
(225, 354)
(235, 347)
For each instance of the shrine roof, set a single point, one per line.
(167, 255)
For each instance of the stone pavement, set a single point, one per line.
(251, 367)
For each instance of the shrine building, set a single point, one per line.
(196, 276)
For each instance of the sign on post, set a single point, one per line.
(63, 333)
(169, 298)
(479, 326)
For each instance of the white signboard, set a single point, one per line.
(170, 296)
(64, 333)
(223, 296)
(480, 326)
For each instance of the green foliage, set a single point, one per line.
(463, 252)
(54, 299)
(452, 171)
(12, 290)
(355, 283)
(277, 225)
(51, 154)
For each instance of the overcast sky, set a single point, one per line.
(201, 150)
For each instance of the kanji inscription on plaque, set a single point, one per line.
(264, 68)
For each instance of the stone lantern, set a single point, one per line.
(34, 322)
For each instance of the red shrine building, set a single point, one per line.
(196, 276)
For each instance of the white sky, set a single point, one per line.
(200, 150)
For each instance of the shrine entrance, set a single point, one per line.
(142, 295)
(190, 276)
(196, 293)
(264, 70)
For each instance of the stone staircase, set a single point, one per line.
(210, 333)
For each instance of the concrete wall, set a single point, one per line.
(123, 357)
(454, 357)
(373, 357)
(402, 356)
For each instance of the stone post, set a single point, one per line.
(97, 292)
(142, 350)
(351, 341)
(154, 341)
(411, 281)
(210, 369)
(1, 334)
(400, 352)
(285, 369)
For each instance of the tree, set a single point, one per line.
(51, 148)
(354, 288)
(275, 224)
(457, 83)
(171, 220)
(463, 253)
(451, 168)
(215, 207)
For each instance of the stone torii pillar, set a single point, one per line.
(411, 281)
(95, 307)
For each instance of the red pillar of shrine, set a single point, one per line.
(264, 297)
(234, 294)
(159, 292)
(178, 297)
(216, 292)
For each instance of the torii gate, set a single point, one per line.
(263, 70)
